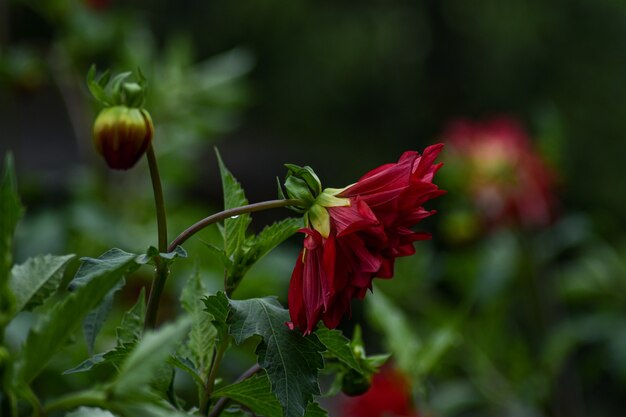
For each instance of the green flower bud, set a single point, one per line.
(122, 134)
(302, 184)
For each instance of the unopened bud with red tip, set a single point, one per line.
(122, 134)
(123, 130)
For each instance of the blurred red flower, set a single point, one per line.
(389, 396)
(98, 4)
(506, 179)
(356, 233)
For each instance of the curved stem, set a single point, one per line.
(161, 271)
(210, 383)
(222, 215)
(221, 403)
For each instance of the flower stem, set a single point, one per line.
(221, 403)
(210, 383)
(222, 215)
(161, 270)
(159, 201)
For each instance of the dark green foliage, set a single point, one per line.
(290, 359)
(240, 252)
(10, 213)
(36, 279)
(94, 279)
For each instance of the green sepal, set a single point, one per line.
(303, 184)
(97, 86)
(319, 218)
(308, 175)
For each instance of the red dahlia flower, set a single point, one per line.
(507, 180)
(356, 233)
(389, 396)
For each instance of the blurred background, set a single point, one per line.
(517, 307)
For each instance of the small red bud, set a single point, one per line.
(122, 134)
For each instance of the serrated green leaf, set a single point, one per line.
(167, 257)
(273, 235)
(254, 393)
(91, 268)
(290, 359)
(87, 364)
(186, 365)
(338, 346)
(128, 334)
(54, 329)
(36, 279)
(257, 247)
(234, 196)
(218, 307)
(226, 261)
(10, 213)
(115, 357)
(203, 334)
(132, 322)
(148, 355)
(314, 410)
(95, 319)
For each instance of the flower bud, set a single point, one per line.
(302, 184)
(122, 134)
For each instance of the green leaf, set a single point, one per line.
(226, 261)
(143, 409)
(415, 356)
(36, 279)
(255, 393)
(234, 227)
(338, 346)
(275, 234)
(128, 335)
(147, 357)
(52, 331)
(203, 334)
(115, 356)
(217, 306)
(90, 412)
(290, 359)
(314, 410)
(132, 322)
(400, 338)
(95, 319)
(11, 211)
(254, 248)
(87, 364)
(186, 365)
(167, 257)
